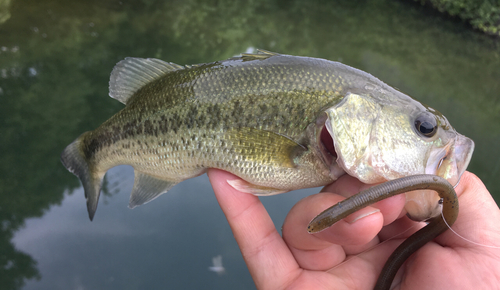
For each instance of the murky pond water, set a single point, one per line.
(55, 61)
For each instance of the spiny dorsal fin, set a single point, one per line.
(132, 73)
(260, 54)
(193, 65)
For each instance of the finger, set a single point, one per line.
(478, 216)
(328, 248)
(401, 228)
(269, 260)
(347, 231)
(353, 235)
(361, 271)
(346, 186)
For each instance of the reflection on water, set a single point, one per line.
(55, 60)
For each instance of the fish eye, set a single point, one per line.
(426, 125)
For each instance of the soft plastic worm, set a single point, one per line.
(434, 228)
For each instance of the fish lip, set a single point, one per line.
(463, 147)
(451, 161)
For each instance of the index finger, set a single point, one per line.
(268, 258)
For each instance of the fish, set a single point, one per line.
(279, 122)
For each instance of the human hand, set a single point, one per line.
(351, 253)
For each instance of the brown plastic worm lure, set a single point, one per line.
(436, 225)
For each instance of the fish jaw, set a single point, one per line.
(449, 162)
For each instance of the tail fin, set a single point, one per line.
(75, 161)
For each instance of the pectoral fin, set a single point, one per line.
(264, 151)
(266, 148)
(245, 186)
(147, 187)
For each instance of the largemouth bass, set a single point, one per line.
(279, 122)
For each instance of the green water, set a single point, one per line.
(55, 60)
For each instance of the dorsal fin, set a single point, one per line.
(132, 73)
(260, 54)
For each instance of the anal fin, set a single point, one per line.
(147, 187)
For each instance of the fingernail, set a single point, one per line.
(362, 215)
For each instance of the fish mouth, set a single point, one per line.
(327, 150)
(327, 142)
(451, 161)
